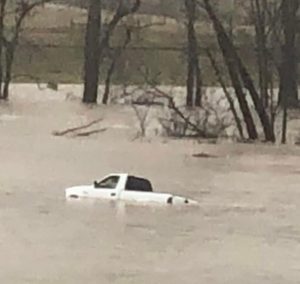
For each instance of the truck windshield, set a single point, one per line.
(109, 183)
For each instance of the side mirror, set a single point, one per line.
(96, 184)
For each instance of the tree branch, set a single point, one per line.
(74, 129)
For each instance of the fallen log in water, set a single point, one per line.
(78, 128)
(89, 133)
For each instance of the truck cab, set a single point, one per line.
(124, 187)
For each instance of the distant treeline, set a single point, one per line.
(170, 8)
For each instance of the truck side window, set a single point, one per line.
(138, 184)
(109, 183)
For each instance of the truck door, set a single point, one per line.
(107, 188)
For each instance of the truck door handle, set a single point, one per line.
(112, 194)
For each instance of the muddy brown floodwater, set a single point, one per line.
(245, 229)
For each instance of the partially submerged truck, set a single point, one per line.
(127, 188)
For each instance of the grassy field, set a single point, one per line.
(51, 48)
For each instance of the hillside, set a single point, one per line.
(169, 8)
(55, 33)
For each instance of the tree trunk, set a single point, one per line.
(92, 59)
(227, 51)
(194, 80)
(199, 84)
(2, 16)
(259, 9)
(108, 82)
(111, 69)
(259, 107)
(227, 94)
(190, 81)
(233, 59)
(10, 52)
(288, 71)
(284, 124)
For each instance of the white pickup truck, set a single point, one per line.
(127, 188)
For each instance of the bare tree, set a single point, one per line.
(115, 53)
(239, 74)
(114, 60)
(259, 10)
(227, 94)
(141, 113)
(194, 78)
(8, 43)
(99, 42)
(227, 51)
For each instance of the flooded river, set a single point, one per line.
(245, 229)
